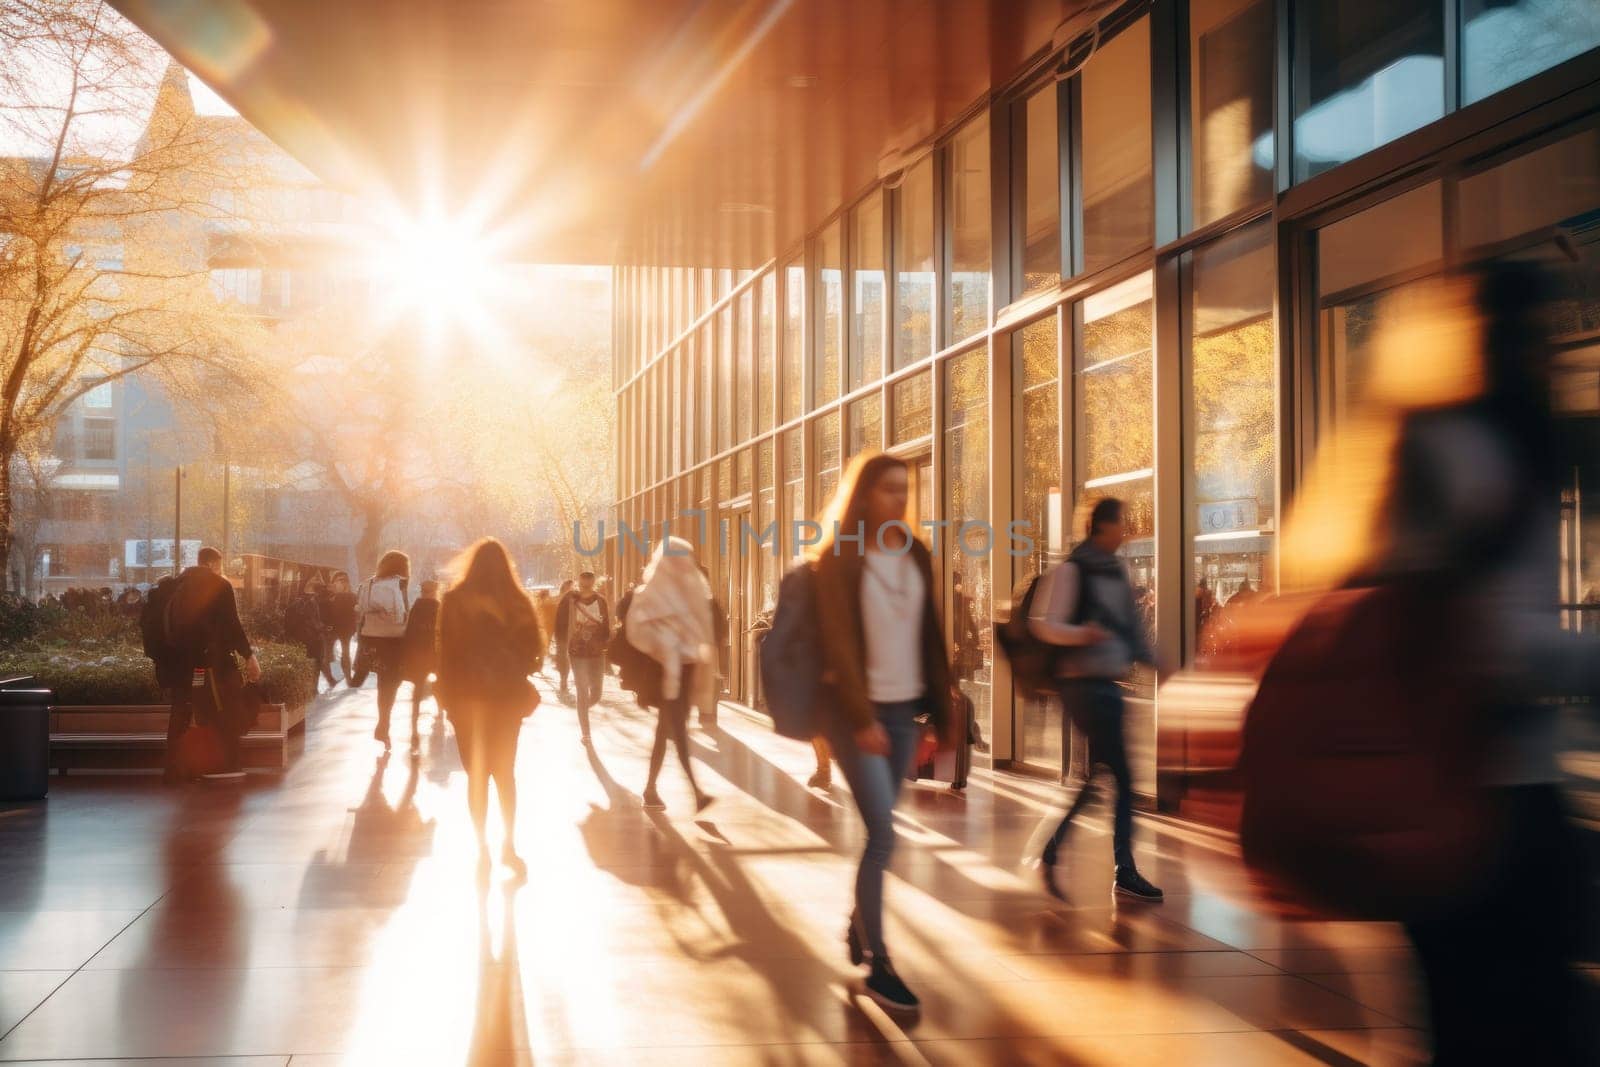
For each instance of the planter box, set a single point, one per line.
(134, 736)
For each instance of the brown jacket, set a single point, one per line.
(484, 657)
(844, 646)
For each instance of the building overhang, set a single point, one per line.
(560, 122)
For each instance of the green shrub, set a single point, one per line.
(110, 673)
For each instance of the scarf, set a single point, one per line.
(670, 617)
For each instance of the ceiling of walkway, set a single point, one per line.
(560, 121)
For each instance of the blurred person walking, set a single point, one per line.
(381, 605)
(563, 624)
(303, 622)
(489, 642)
(884, 664)
(1474, 511)
(338, 607)
(420, 654)
(669, 620)
(544, 606)
(208, 646)
(708, 683)
(588, 630)
(1088, 608)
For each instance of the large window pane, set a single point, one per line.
(766, 352)
(1230, 88)
(1118, 198)
(1115, 457)
(966, 542)
(1365, 74)
(744, 369)
(866, 425)
(830, 317)
(1233, 365)
(725, 360)
(866, 291)
(969, 230)
(675, 407)
(707, 363)
(911, 403)
(1039, 227)
(794, 494)
(1038, 498)
(794, 312)
(1545, 186)
(825, 463)
(1360, 260)
(913, 265)
(1503, 43)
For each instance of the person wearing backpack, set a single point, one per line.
(382, 608)
(884, 664)
(420, 656)
(204, 632)
(1087, 608)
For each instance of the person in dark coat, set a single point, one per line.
(420, 655)
(563, 621)
(206, 633)
(302, 621)
(338, 607)
(489, 642)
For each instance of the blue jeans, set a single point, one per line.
(875, 783)
(588, 675)
(1094, 706)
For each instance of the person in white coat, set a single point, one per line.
(382, 606)
(670, 621)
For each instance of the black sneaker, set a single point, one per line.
(1130, 883)
(888, 991)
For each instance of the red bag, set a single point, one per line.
(199, 751)
(1363, 757)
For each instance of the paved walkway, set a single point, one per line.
(331, 916)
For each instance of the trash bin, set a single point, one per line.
(24, 744)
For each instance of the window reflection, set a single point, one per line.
(830, 316)
(1366, 74)
(766, 352)
(1503, 43)
(1038, 503)
(1040, 224)
(1233, 368)
(708, 377)
(966, 547)
(794, 310)
(826, 467)
(866, 292)
(1118, 198)
(866, 425)
(912, 407)
(744, 370)
(1230, 64)
(969, 230)
(725, 359)
(913, 259)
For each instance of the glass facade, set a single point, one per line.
(1009, 319)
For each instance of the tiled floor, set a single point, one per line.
(332, 916)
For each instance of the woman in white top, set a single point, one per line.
(669, 619)
(382, 606)
(884, 663)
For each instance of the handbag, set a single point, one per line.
(199, 751)
(1363, 757)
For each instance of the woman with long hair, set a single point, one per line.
(670, 620)
(489, 642)
(885, 664)
(382, 605)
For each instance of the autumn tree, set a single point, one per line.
(103, 245)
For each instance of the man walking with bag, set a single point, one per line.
(204, 631)
(1088, 609)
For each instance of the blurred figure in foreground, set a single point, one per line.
(420, 655)
(489, 642)
(1475, 498)
(669, 619)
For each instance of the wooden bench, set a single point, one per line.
(134, 737)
